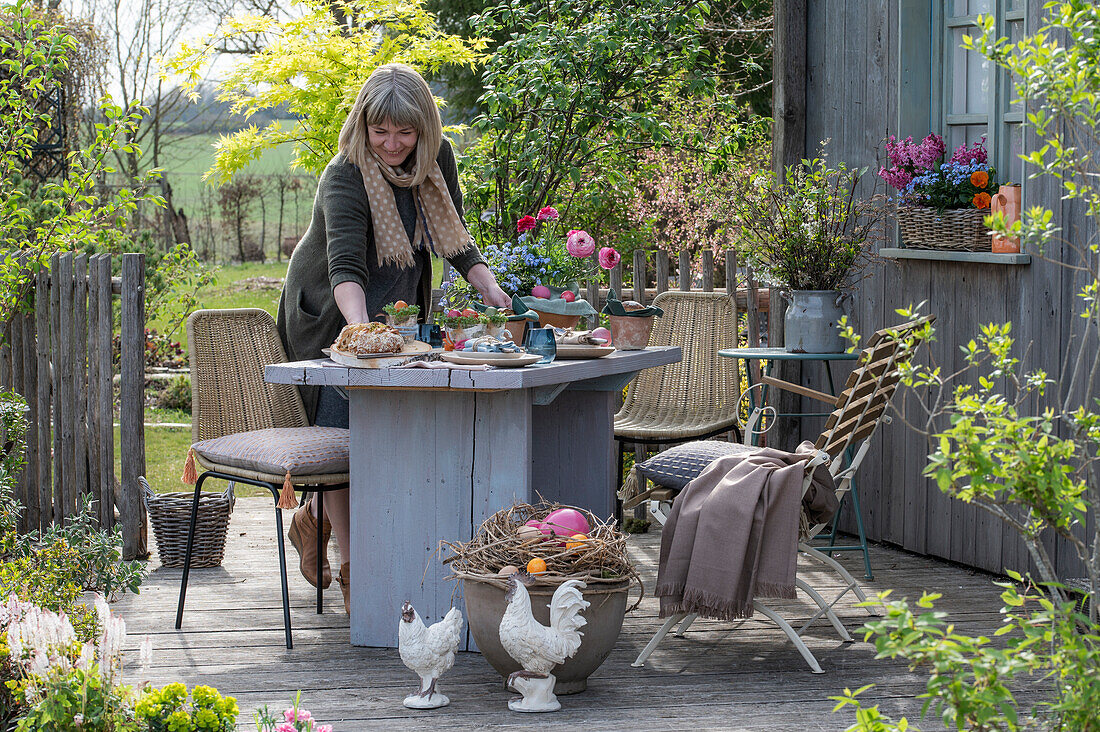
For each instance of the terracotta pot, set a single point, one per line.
(1007, 201)
(485, 607)
(516, 330)
(558, 321)
(630, 334)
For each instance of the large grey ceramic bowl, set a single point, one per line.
(485, 607)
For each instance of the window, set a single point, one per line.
(976, 97)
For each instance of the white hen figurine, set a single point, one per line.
(537, 648)
(428, 652)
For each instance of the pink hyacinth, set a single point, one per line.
(323, 728)
(526, 224)
(285, 727)
(547, 212)
(609, 257)
(976, 153)
(580, 244)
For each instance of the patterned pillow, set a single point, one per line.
(679, 465)
(280, 450)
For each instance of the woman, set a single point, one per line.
(385, 202)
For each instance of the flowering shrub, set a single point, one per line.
(536, 258)
(58, 681)
(294, 719)
(166, 710)
(919, 173)
(807, 230)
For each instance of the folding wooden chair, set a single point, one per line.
(857, 412)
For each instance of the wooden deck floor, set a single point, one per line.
(715, 677)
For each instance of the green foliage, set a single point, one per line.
(313, 67)
(574, 88)
(807, 230)
(81, 700)
(971, 678)
(167, 710)
(70, 214)
(176, 394)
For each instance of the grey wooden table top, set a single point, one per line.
(317, 373)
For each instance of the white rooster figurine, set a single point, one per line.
(537, 648)
(429, 652)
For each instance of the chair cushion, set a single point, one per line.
(679, 465)
(280, 450)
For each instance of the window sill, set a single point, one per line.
(944, 255)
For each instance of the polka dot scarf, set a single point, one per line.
(438, 225)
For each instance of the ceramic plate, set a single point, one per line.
(581, 351)
(504, 360)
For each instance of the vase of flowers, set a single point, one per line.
(942, 204)
(545, 267)
(806, 231)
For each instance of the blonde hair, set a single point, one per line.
(397, 93)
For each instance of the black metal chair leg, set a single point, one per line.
(320, 548)
(282, 567)
(190, 549)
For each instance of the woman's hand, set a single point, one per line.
(484, 282)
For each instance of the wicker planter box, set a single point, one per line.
(961, 229)
(170, 514)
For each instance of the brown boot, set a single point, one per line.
(344, 578)
(303, 535)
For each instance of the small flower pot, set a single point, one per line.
(558, 321)
(516, 329)
(630, 333)
(485, 607)
(456, 334)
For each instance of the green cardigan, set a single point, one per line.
(338, 247)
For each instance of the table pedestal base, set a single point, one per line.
(431, 465)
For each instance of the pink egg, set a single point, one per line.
(565, 522)
(568, 296)
(601, 333)
(541, 291)
(533, 522)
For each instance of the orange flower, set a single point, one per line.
(981, 200)
(979, 179)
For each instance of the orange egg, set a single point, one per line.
(536, 566)
(576, 541)
(400, 305)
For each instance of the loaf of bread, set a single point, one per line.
(364, 338)
(632, 305)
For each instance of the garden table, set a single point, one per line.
(434, 452)
(769, 356)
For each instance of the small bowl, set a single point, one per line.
(471, 331)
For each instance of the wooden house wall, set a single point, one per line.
(852, 76)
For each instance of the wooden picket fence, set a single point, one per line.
(654, 271)
(60, 359)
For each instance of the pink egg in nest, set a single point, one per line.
(541, 291)
(565, 522)
(601, 333)
(568, 296)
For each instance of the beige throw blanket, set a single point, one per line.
(733, 532)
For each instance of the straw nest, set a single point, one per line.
(601, 563)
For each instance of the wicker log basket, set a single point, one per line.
(170, 514)
(961, 229)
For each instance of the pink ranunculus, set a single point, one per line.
(547, 212)
(285, 727)
(288, 714)
(323, 728)
(609, 257)
(526, 224)
(580, 244)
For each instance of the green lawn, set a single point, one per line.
(166, 447)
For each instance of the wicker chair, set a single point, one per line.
(228, 351)
(695, 398)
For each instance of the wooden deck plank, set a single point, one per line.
(716, 676)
